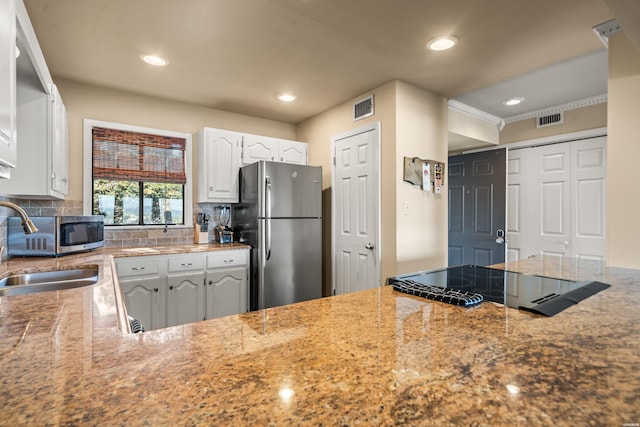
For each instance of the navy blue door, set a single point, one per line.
(477, 208)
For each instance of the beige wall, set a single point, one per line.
(413, 122)
(623, 152)
(90, 102)
(318, 132)
(468, 126)
(591, 117)
(421, 131)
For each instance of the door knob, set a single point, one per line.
(369, 246)
(500, 236)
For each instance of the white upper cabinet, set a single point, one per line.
(218, 166)
(292, 152)
(222, 152)
(256, 148)
(7, 87)
(41, 170)
(60, 144)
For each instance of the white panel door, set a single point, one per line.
(588, 159)
(551, 201)
(518, 213)
(356, 211)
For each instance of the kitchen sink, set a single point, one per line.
(51, 280)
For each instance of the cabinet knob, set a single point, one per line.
(210, 282)
(171, 287)
(155, 289)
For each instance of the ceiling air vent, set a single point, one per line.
(550, 120)
(363, 108)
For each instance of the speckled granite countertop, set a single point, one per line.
(375, 357)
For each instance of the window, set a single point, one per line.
(137, 176)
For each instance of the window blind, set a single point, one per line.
(133, 156)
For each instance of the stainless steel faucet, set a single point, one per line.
(27, 225)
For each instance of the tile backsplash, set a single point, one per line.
(171, 235)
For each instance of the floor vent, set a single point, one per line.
(550, 120)
(363, 108)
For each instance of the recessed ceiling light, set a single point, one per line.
(442, 43)
(285, 97)
(512, 101)
(154, 60)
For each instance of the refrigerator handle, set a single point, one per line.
(267, 202)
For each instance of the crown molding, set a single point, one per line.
(474, 112)
(607, 29)
(586, 102)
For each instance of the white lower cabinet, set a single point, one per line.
(143, 290)
(170, 290)
(226, 292)
(185, 298)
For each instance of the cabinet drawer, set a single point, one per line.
(227, 259)
(189, 263)
(137, 267)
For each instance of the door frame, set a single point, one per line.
(375, 127)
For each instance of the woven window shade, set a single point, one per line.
(133, 156)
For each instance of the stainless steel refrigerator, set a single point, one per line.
(280, 216)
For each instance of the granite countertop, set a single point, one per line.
(375, 357)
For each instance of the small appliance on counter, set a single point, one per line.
(468, 285)
(224, 235)
(56, 235)
(221, 216)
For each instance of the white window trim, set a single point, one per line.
(87, 197)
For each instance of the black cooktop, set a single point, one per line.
(539, 294)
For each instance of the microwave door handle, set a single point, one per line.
(267, 202)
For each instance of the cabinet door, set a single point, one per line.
(60, 152)
(7, 85)
(144, 299)
(256, 148)
(185, 299)
(292, 152)
(218, 165)
(227, 292)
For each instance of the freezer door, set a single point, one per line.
(291, 262)
(292, 191)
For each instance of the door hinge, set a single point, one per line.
(334, 160)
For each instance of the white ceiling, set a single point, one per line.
(565, 82)
(237, 55)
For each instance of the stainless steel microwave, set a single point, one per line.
(56, 235)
